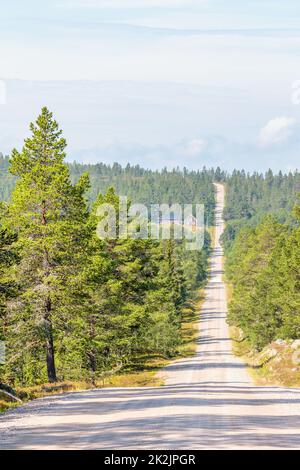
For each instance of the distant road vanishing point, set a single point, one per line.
(208, 401)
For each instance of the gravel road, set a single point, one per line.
(208, 401)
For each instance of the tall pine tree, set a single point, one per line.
(48, 213)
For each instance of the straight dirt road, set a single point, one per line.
(208, 401)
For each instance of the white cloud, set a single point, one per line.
(130, 3)
(194, 147)
(276, 131)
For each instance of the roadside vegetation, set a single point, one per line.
(262, 244)
(142, 371)
(76, 311)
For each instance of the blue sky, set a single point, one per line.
(157, 82)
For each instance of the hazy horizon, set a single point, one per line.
(160, 83)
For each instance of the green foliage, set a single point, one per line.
(48, 215)
(74, 306)
(263, 255)
(250, 197)
(264, 267)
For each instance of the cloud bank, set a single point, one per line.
(276, 131)
(138, 4)
(156, 124)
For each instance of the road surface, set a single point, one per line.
(208, 401)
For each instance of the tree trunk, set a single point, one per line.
(50, 359)
(92, 352)
(50, 355)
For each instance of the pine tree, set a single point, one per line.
(48, 214)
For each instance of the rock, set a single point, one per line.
(296, 344)
(271, 352)
(265, 356)
(280, 342)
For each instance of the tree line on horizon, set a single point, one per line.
(139, 185)
(250, 197)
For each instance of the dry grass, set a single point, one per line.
(190, 327)
(4, 405)
(40, 391)
(145, 377)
